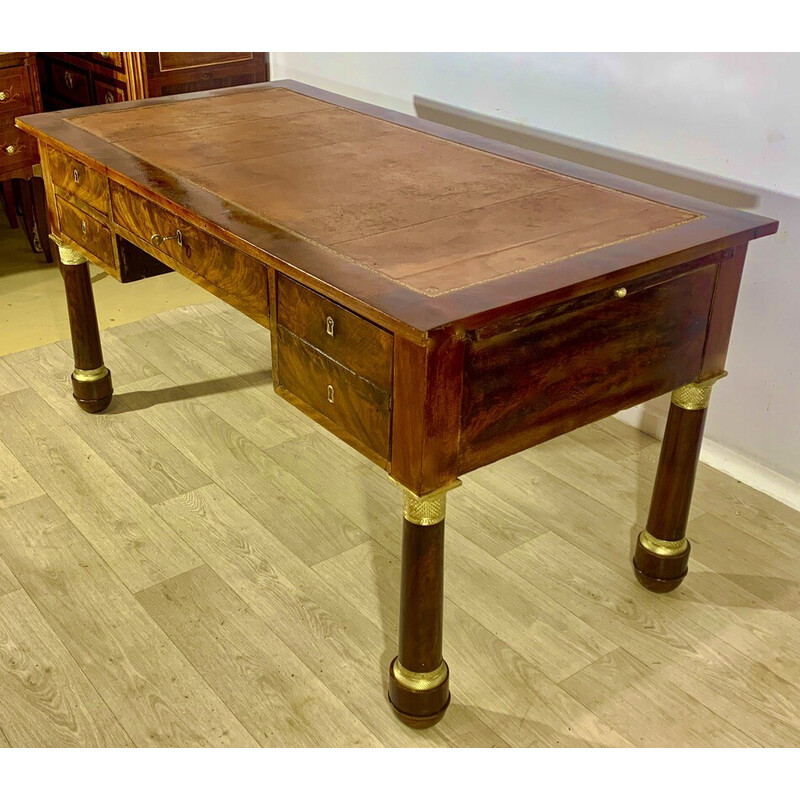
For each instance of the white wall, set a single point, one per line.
(725, 127)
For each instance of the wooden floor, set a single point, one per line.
(202, 566)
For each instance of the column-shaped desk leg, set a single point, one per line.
(91, 379)
(419, 679)
(661, 560)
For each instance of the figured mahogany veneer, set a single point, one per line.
(436, 299)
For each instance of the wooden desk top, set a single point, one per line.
(422, 224)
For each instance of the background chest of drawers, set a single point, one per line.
(82, 79)
(22, 193)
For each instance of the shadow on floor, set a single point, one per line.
(125, 402)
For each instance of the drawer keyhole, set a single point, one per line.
(83, 226)
(76, 176)
(330, 393)
(329, 327)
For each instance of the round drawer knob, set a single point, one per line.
(621, 292)
(11, 149)
(3, 96)
(105, 55)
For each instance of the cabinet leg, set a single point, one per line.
(91, 379)
(661, 559)
(41, 229)
(9, 203)
(419, 679)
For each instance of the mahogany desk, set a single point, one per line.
(436, 299)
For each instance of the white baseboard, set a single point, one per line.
(651, 418)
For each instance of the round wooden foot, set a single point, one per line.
(416, 703)
(92, 389)
(660, 572)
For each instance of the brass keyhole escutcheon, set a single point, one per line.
(330, 393)
(329, 325)
(76, 176)
(83, 226)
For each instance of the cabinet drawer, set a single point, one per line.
(344, 336)
(241, 280)
(78, 180)
(113, 60)
(16, 148)
(353, 403)
(581, 361)
(87, 232)
(15, 92)
(106, 92)
(71, 83)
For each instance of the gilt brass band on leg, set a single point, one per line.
(427, 509)
(695, 396)
(419, 681)
(662, 547)
(68, 256)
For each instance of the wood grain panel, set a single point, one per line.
(357, 405)
(357, 344)
(76, 179)
(84, 230)
(237, 275)
(173, 61)
(564, 371)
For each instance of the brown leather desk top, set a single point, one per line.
(425, 225)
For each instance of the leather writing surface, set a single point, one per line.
(432, 215)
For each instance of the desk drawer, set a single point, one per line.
(78, 180)
(239, 279)
(581, 361)
(15, 92)
(349, 339)
(355, 404)
(84, 230)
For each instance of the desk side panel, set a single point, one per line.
(580, 363)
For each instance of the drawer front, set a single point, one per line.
(349, 339)
(238, 277)
(15, 92)
(354, 404)
(79, 181)
(71, 83)
(16, 148)
(107, 92)
(580, 363)
(84, 230)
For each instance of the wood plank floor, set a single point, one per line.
(203, 566)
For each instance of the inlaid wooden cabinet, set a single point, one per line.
(21, 190)
(83, 79)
